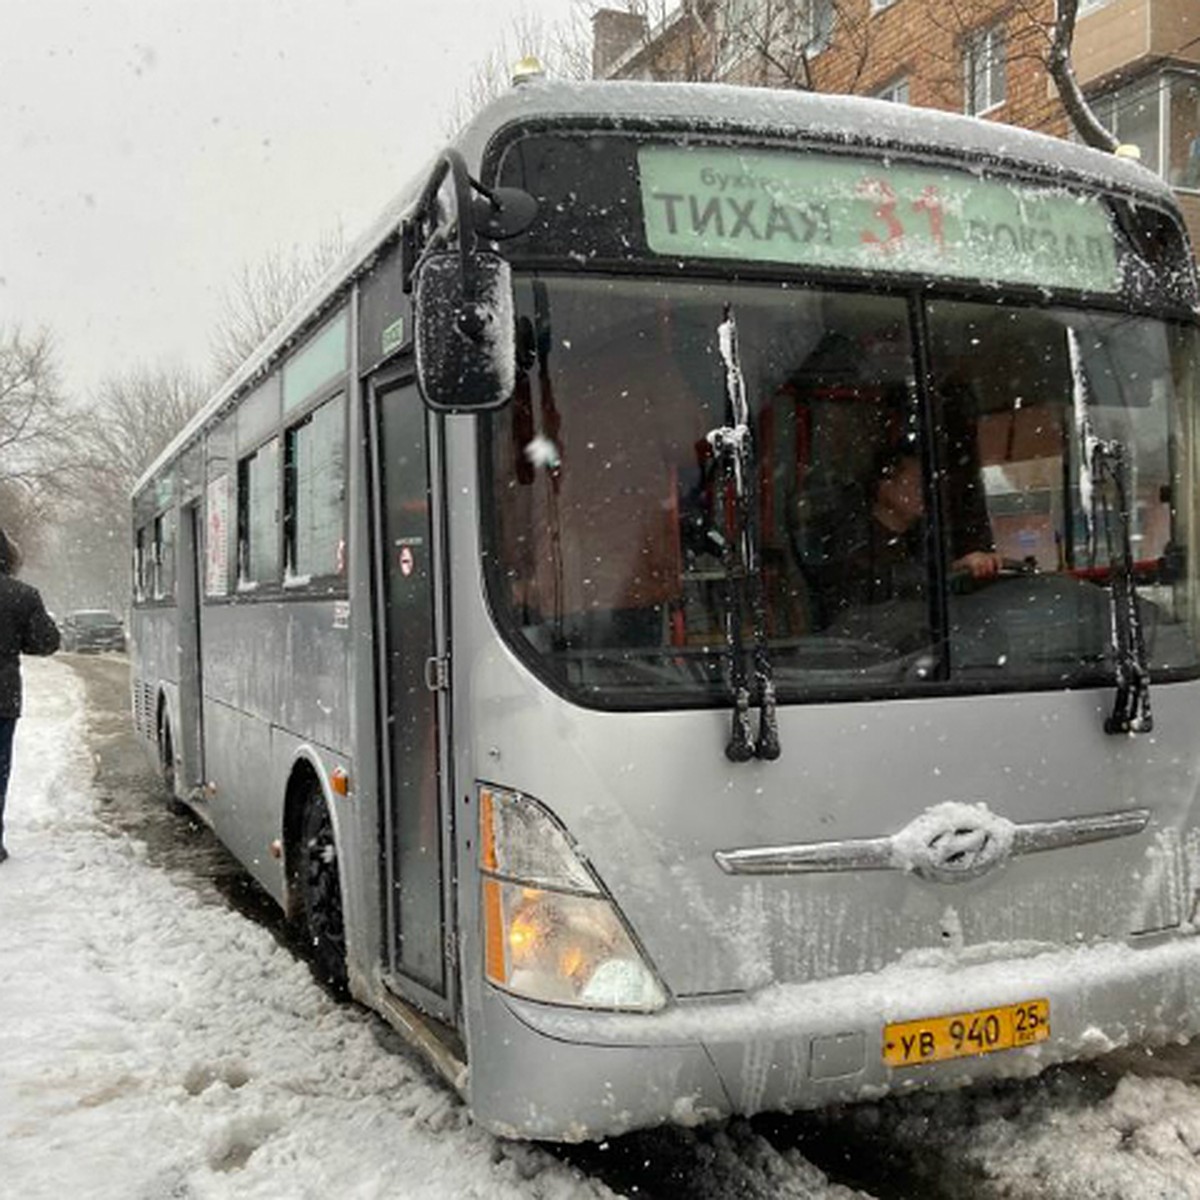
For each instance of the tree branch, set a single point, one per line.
(1063, 73)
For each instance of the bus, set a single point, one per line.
(699, 613)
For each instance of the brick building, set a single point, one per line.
(1138, 61)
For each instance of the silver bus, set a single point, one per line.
(700, 612)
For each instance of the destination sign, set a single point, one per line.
(845, 213)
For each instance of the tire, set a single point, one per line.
(166, 758)
(166, 767)
(321, 892)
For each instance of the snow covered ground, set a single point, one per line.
(156, 1044)
(153, 1044)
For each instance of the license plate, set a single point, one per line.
(963, 1035)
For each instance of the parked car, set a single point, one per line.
(92, 629)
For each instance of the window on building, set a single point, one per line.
(1183, 131)
(258, 516)
(896, 92)
(314, 477)
(822, 15)
(984, 71)
(1133, 116)
(738, 31)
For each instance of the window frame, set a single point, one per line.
(293, 580)
(819, 37)
(980, 54)
(891, 94)
(245, 524)
(162, 557)
(141, 594)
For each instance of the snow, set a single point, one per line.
(159, 1044)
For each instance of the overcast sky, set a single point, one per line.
(151, 148)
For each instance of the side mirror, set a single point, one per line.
(465, 331)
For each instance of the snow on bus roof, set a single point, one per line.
(817, 116)
(856, 120)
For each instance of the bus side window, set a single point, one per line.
(314, 519)
(258, 517)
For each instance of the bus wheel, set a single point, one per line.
(321, 891)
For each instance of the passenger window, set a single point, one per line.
(163, 566)
(140, 554)
(258, 517)
(314, 494)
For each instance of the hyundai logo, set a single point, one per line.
(952, 843)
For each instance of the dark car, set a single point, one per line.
(92, 629)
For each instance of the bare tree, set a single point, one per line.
(132, 418)
(129, 421)
(563, 49)
(766, 43)
(25, 515)
(264, 293)
(1079, 112)
(35, 440)
(774, 43)
(1041, 31)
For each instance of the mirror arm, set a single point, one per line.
(450, 163)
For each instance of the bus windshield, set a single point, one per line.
(914, 531)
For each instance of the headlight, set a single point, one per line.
(550, 932)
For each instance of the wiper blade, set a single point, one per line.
(1108, 462)
(733, 449)
(1131, 707)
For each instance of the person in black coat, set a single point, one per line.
(25, 628)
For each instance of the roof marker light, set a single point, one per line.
(528, 70)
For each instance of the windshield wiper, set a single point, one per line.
(733, 451)
(1131, 707)
(1100, 462)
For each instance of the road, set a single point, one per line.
(1125, 1126)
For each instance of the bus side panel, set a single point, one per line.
(244, 803)
(154, 663)
(268, 665)
(283, 661)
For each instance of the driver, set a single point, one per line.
(880, 557)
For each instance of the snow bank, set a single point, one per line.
(158, 1045)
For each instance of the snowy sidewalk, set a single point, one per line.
(153, 1045)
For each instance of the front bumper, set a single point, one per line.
(99, 645)
(545, 1072)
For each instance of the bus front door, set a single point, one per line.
(190, 750)
(417, 837)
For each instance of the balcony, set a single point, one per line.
(1125, 36)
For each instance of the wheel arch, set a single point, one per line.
(165, 718)
(306, 771)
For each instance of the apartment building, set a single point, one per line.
(1138, 61)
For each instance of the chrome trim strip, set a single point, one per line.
(1077, 831)
(854, 854)
(878, 854)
